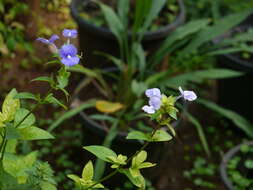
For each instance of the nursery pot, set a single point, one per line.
(236, 93)
(223, 166)
(94, 133)
(93, 38)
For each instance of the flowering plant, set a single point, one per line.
(18, 124)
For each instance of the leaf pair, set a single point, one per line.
(158, 136)
(86, 180)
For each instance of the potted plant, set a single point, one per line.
(236, 168)
(154, 19)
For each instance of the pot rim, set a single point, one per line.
(96, 127)
(148, 36)
(226, 158)
(240, 62)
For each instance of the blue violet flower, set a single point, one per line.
(187, 95)
(68, 33)
(68, 54)
(154, 96)
(50, 40)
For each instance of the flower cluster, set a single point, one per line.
(155, 99)
(67, 52)
(154, 96)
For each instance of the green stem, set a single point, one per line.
(128, 160)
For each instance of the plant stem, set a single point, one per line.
(128, 160)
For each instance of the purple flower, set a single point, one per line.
(68, 55)
(154, 96)
(153, 92)
(187, 95)
(68, 33)
(148, 109)
(50, 40)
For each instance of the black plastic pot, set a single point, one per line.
(93, 38)
(223, 166)
(236, 93)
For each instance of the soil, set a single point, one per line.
(172, 173)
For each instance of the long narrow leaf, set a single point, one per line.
(69, 114)
(113, 21)
(100, 164)
(217, 29)
(198, 77)
(123, 9)
(155, 9)
(200, 131)
(238, 120)
(179, 34)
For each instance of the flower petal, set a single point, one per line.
(70, 61)
(155, 102)
(148, 109)
(153, 92)
(53, 38)
(189, 95)
(68, 33)
(68, 50)
(43, 40)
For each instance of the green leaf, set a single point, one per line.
(26, 95)
(81, 69)
(138, 135)
(137, 181)
(87, 173)
(179, 34)
(12, 133)
(75, 178)
(34, 133)
(113, 21)
(122, 10)
(101, 152)
(138, 88)
(44, 79)
(70, 114)
(135, 172)
(118, 62)
(249, 164)
(47, 186)
(139, 158)
(62, 78)
(197, 77)
(154, 10)
(161, 135)
(100, 164)
(238, 120)
(146, 165)
(17, 166)
(200, 131)
(51, 99)
(20, 115)
(10, 106)
(219, 28)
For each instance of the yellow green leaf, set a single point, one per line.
(108, 107)
(10, 106)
